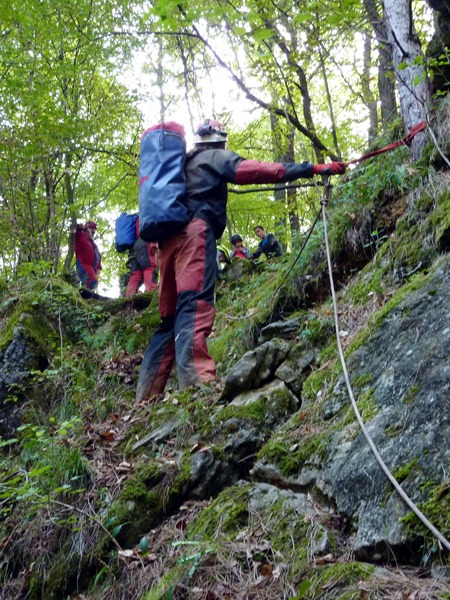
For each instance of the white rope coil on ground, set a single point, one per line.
(382, 464)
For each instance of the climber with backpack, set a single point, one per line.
(87, 254)
(187, 252)
(142, 256)
(143, 264)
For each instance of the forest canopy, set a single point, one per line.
(291, 81)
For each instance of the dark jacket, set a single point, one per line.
(270, 246)
(142, 255)
(209, 171)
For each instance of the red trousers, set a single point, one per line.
(187, 267)
(148, 277)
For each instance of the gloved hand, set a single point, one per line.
(334, 168)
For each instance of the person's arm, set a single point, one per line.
(258, 251)
(80, 242)
(253, 171)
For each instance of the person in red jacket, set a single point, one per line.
(187, 260)
(239, 250)
(143, 265)
(88, 258)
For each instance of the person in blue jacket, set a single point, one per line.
(269, 245)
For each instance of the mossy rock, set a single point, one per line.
(153, 491)
(264, 407)
(227, 514)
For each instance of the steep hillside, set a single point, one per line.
(263, 486)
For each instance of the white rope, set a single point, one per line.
(382, 464)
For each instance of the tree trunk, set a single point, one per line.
(50, 233)
(301, 83)
(412, 83)
(369, 99)
(73, 218)
(386, 84)
(282, 153)
(330, 106)
(438, 46)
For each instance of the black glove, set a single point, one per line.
(334, 168)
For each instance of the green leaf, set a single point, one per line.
(117, 529)
(302, 17)
(143, 544)
(192, 571)
(99, 576)
(302, 589)
(39, 470)
(262, 34)
(110, 521)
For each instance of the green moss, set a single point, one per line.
(321, 379)
(411, 394)
(440, 220)
(33, 326)
(67, 570)
(437, 510)
(416, 282)
(255, 411)
(424, 203)
(128, 330)
(243, 310)
(341, 221)
(151, 492)
(367, 407)
(164, 588)
(403, 472)
(362, 381)
(230, 345)
(287, 531)
(266, 410)
(50, 311)
(393, 430)
(291, 457)
(227, 514)
(408, 251)
(342, 578)
(317, 330)
(359, 291)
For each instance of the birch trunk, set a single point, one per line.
(412, 83)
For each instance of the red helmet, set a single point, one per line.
(210, 131)
(91, 225)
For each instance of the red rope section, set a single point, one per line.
(404, 142)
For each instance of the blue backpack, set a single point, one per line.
(125, 232)
(162, 182)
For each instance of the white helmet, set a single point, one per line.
(210, 131)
